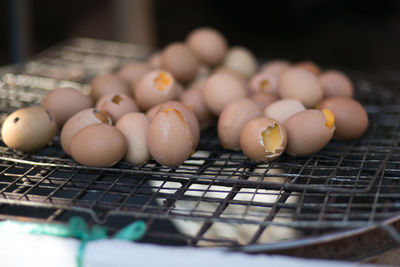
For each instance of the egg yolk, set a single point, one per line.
(116, 99)
(162, 81)
(102, 116)
(272, 138)
(264, 85)
(329, 117)
(177, 113)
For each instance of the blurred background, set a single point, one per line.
(362, 35)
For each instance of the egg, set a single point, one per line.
(302, 85)
(193, 99)
(263, 100)
(264, 82)
(28, 129)
(336, 83)
(187, 114)
(156, 87)
(263, 139)
(220, 90)
(275, 67)
(134, 126)
(351, 119)
(241, 60)
(208, 44)
(232, 120)
(131, 74)
(309, 66)
(282, 109)
(198, 84)
(309, 131)
(107, 83)
(98, 145)
(80, 120)
(180, 61)
(224, 70)
(169, 139)
(116, 105)
(155, 61)
(62, 103)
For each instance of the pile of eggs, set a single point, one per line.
(158, 108)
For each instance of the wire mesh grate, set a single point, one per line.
(217, 197)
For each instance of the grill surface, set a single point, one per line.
(217, 197)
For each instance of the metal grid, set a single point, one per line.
(217, 197)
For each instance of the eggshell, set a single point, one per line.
(131, 74)
(187, 114)
(62, 103)
(169, 140)
(309, 66)
(300, 84)
(263, 100)
(220, 90)
(336, 83)
(155, 61)
(283, 109)
(193, 99)
(116, 105)
(275, 67)
(351, 119)
(180, 61)
(263, 139)
(264, 83)
(107, 83)
(307, 132)
(98, 145)
(241, 60)
(28, 129)
(232, 120)
(208, 44)
(79, 121)
(135, 127)
(156, 87)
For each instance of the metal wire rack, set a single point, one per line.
(217, 197)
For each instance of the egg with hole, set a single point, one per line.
(309, 131)
(263, 83)
(263, 139)
(28, 129)
(116, 105)
(98, 145)
(62, 103)
(107, 83)
(351, 118)
(131, 73)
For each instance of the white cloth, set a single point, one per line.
(37, 250)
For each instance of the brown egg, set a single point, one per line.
(107, 83)
(116, 105)
(241, 60)
(282, 109)
(264, 82)
(300, 84)
(170, 140)
(62, 103)
(263, 100)
(28, 129)
(220, 90)
(336, 83)
(131, 74)
(180, 61)
(155, 61)
(187, 114)
(310, 66)
(193, 99)
(263, 139)
(156, 87)
(351, 119)
(232, 120)
(224, 70)
(80, 120)
(98, 145)
(309, 131)
(275, 67)
(135, 127)
(208, 44)
(197, 84)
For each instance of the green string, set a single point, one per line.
(76, 227)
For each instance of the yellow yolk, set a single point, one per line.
(162, 81)
(101, 115)
(272, 138)
(264, 85)
(116, 99)
(329, 117)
